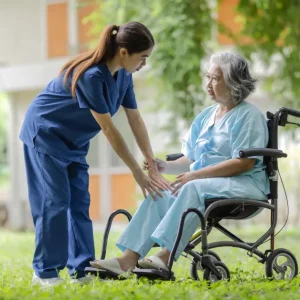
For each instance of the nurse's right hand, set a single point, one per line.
(161, 165)
(147, 184)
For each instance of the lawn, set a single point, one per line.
(247, 275)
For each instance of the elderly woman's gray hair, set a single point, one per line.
(236, 74)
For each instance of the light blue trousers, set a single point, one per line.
(157, 221)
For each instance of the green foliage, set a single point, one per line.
(182, 31)
(247, 275)
(274, 31)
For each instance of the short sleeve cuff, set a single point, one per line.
(100, 109)
(129, 100)
(186, 151)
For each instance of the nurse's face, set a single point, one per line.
(215, 85)
(134, 62)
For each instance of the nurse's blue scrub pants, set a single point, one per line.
(59, 200)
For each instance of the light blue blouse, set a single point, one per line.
(243, 127)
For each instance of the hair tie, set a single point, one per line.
(115, 31)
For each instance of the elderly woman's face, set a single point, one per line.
(215, 84)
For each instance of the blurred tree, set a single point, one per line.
(182, 31)
(273, 28)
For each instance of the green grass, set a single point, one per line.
(247, 275)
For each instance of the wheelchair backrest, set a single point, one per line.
(270, 162)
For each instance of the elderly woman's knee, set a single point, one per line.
(189, 187)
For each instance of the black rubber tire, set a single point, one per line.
(290, 259)
(194, 268)
(211, 278)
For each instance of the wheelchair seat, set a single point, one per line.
(238, 211)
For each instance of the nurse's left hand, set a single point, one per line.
(155, 175)
(182, 179)
(162, 182)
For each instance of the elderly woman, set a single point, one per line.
(210, 168)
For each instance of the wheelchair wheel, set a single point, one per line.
(281, 264)
(208, 275)
(196, 264)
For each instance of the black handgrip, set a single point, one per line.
(171, 157)
(292, 112)
(262, 152)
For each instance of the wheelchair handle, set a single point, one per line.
(290, 111)
(172, 157)
(262, 152)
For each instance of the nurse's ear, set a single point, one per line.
(123, 52)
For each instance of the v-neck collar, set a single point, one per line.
(214, 114)
(112, 83)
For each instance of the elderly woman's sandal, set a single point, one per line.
(152, 262)
(108, 264)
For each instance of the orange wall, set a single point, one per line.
(57, 29)
(84, 34)
(229, 17)
(94, 189)
(123, 193)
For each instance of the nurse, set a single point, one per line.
(56, 133)
(210, 168)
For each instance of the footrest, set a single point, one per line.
(153, 274)
(102, 273)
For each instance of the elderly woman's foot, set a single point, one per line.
(164, 255)
(119, 265)
(116, 265)
(126, 264)
(152, 262)
(158, 261)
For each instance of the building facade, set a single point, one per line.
(37, 38)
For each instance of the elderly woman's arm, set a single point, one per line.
(177, 166)
(228, 168)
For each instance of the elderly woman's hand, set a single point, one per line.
(183, 179)
(161, 165)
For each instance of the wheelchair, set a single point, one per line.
(207, 261)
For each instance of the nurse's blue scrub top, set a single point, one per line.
(60, 126)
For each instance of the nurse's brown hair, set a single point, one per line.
(133, 36)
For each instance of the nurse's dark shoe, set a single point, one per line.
(46, 282)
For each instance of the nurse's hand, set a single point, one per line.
(154, 169)
(162, 182)
(147, 184)
(182, 179)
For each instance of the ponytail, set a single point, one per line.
(133, 36)
(105, 50)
